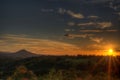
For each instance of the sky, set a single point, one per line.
(60, 27)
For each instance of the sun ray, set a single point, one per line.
(111, 62)
(109, 68)
(97, 64)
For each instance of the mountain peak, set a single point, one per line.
(23, 51)
(18, 55)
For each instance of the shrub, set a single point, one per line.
(22, 73)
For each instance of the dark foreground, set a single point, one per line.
(61, 68)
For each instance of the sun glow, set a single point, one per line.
(110, 52)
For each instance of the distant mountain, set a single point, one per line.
(24, 54)
(17, 55)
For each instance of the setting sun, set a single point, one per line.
(110, 52)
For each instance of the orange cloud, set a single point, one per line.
(101, 25)
(97, 31)
(96, 39)
(78, 35)
(17, 42)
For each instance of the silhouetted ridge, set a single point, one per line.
(24, 53)
(18, 55)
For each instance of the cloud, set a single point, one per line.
(71, 13)
(36, 45)
(96, 39)
(71, 23)
(98, 31)
(68, 30)
(75, 15)
(1, 41)
(71, 36)
(115, 5)
(112, 30)
(118, 13)
(104, 24)
(61, 10)
(86, 24)
(95, 47)
(101, 25)
(93, 17)
(91, 31)
(90, 36)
